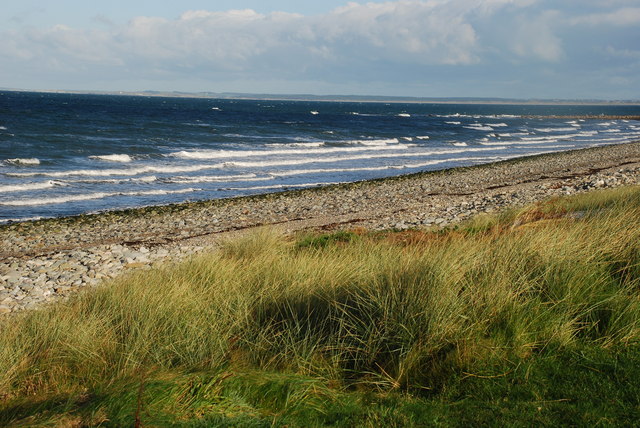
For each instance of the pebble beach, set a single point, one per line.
(46, 261)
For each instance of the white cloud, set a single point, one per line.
(535, 37)
(404, 42)
(622, 17)
(417, 32)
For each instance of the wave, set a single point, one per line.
(484, 116)
(403, 115)
(89, 196)
(23, 161)
(554, 129)
(147, 179)
(282, 186)
(313, 112)
(111, 172)
(215, 179)
(17, 220)
(377, 168)
(315, 144)
(381, 142)
(113, 158)
(453, 123)
(3, 128)
(200, 124)
(497, 125)
(262, 164)
(532, 141)
(31, 186)
(479, 127)
(221, 154)
(561, 136)
(459, 144)
(422, 137)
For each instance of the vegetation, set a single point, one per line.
(528, 317)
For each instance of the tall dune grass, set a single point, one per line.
(385, 311)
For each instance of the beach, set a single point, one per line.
(46, 261)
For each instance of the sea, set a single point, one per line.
(68, 154)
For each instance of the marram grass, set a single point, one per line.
(276, 329)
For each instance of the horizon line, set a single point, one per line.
(331, 98)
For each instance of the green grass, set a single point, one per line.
(529, 317)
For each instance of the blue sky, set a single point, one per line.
(569, 49)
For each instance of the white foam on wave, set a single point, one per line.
(372, 168)
(479, 127)
(460, 144)
(538, 141)
(31, 186)
(89, 196)
(484, 116)
(215, 178)
(557, 146)
(113, 158)
(407, 138)
(314, 144)
(554, 129)
(282, 186)
(201, 124)
(422, 137)
(612, 130)
(561, 136)
(497, 125)
(264, 164)
(403, 115)
(115, 171)
(147, 179)
(223, 154)
(377, 143)
(3, 128)
(17, 220)
(453, 123)
(23, 161)
(313, 112)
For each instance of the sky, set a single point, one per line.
(540, 49)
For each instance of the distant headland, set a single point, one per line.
(342, 98)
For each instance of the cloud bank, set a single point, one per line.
(428, 48)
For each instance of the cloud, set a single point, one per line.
(536, 37)
(622, 53)
(622, 17)
(431, 43)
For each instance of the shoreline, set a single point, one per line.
(48, 260)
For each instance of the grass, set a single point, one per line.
(528, 317)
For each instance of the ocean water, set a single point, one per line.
(67, 154)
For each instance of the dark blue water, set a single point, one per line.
(64, 154)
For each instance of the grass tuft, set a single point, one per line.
(347, 328)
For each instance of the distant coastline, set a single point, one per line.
(336, 98)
